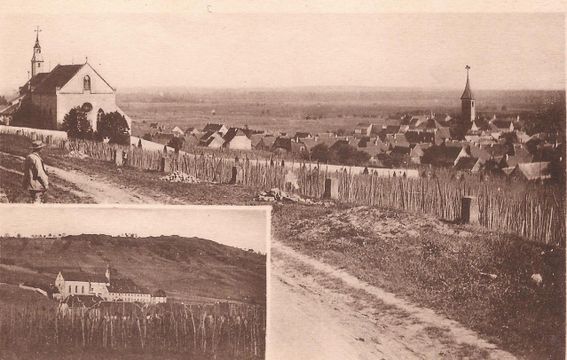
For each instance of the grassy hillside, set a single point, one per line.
(188, 269)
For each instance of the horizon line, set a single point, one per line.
(312, 88)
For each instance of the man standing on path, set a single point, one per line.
(35, 176)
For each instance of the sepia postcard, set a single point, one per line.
(268, 180)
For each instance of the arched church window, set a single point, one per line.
(87, 83)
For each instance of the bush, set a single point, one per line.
(320, 152)
(76, 124)
(340, 153)
(347, 154)
(176, 143)
(113, 126)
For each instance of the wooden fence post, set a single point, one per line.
(118, 157)
(331, 189)
(470, 213)
(233, 175)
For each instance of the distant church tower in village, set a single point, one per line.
(468, 112)
(37, 58)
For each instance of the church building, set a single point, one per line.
(468, 112)
(50, 95)
(103, 287)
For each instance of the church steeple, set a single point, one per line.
(468, 112)
(37, 58)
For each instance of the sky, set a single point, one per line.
(248, 50)
(245, 228)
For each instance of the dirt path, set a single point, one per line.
(102, 192)
(320, 312)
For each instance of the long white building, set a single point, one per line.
(80, 283)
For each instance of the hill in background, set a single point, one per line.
(187, 269)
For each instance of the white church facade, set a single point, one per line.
(125, 290)
(52, 94)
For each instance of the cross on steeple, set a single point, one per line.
(467, 68)
(37, 31)
(37, 59)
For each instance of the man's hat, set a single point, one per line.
(37, 144)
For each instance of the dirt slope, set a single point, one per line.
(340, 317)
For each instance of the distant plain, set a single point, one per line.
(309, 109)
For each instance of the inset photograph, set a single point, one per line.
(92, 282)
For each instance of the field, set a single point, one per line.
(220, 331)
(305, 109)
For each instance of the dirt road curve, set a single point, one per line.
(99, 190)
(319, 312)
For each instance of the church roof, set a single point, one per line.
(83, 276)
(467, 94)
(58, 77)
(38, 78)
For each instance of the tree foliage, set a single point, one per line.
(114, 126)
(28, 115)
(340, 153)
(550, 121)
(320, 152)
(176, 143)
(76, 124)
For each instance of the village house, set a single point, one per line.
(501, 126)
(372, 146)
(49, 95)
(363, 129)
(212, 128)
(237, 139)
(177, 131)
(191, 140)
(284, 144)
(535, 171)
(442, 135)
(265, 143)
(300, 136)
(212, 139)
(417, 153)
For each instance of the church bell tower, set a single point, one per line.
(37, 58)
(468, 112)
